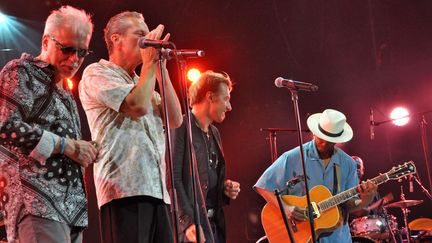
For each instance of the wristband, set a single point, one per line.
(62, 145)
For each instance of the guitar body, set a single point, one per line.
(328, 214)
(274, 225)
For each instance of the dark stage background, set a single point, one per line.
(362, 54)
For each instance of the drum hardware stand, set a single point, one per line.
(405, 212)
(386, 215)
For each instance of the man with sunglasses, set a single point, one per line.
(41, 152)
(125, 117)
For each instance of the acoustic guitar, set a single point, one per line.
(325, 210)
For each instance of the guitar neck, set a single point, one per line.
(348, 194)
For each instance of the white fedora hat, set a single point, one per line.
(331, 126)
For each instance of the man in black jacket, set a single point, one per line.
(210, 100)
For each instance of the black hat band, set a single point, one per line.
(333, 135)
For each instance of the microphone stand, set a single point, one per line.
(273, 155)
(425, 191)
(294, 97)
(423, 125)
(272, 139)
(168, 146)
(284, 217)
(425, 147)
(289, 185)
(196, 187)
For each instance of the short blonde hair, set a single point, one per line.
(208, 81)
(70, 17)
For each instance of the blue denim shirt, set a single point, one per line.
(288, 165)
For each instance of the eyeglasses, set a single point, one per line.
(69, 50)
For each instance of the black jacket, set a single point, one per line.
(182, 175)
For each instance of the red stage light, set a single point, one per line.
(193, 74)
(400, 116)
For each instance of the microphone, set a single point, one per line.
(296, 85)
(411, 186)
(185, 53)
(143, 42)
(371, 125)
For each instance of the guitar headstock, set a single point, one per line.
(397, 172)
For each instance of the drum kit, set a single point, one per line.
(384, 227)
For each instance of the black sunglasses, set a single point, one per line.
(69, 50)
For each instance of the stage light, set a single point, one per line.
(193, 74)
(400, 116)
(17, 36)
(70, 84)
(3, 18)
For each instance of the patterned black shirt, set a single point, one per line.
(34, 114)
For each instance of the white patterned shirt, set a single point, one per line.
(131, 159)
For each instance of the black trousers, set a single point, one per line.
(217, 234)
(139, 219)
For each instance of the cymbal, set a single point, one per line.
(421, 224)
(404, 203)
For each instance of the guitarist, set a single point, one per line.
(326, 165)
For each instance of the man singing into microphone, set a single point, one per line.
(326, 165)
(125, 117)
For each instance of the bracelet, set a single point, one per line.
(62, 145)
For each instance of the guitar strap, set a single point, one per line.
(336, 179)
(337, 189)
